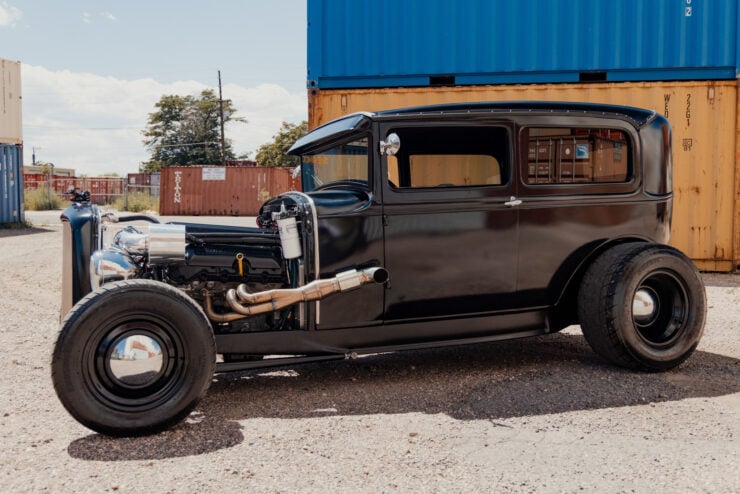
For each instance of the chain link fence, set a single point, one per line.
(138, 192)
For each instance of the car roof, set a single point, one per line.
(349, 123)
(638, 116)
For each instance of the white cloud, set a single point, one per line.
(265, 107)
(87, 17)
(93, 123)
(9, 15)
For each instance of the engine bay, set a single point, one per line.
(246, 279)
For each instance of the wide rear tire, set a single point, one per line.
(133, 357)
(642, 306)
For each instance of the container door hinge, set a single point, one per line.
(385, 220)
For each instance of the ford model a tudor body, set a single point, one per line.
(415, 228)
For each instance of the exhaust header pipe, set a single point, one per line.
(245, 304)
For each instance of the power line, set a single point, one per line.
(186, 144)
(50, 127)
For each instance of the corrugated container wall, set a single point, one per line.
(11, 130)
(393, 43)
(221, 191)
(11, 184)
(705, 122)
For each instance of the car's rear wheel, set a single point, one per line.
(133, 357)
(642, 306)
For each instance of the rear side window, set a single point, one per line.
(559, 155)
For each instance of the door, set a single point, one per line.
(450, 220)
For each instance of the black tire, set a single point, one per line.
(642, 306)
(95, 369)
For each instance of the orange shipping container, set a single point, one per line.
(705, 118)
(221, 191)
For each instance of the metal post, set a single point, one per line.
(51, 182)
(221, 105)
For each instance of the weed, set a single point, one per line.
(137, 202)
(42, 199)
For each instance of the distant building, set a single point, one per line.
(58, 172)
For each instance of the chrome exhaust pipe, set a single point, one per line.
(245, 304)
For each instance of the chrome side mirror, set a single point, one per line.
(391, 145)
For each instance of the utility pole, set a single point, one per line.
(221, 105)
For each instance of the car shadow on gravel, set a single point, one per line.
(196, 436)
(517, 378)
(17, 232)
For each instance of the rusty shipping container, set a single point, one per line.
(221, 191)
(704, 115)
(11, 129)
(144, 179)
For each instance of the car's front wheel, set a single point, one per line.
(642, 306)
(133, 357)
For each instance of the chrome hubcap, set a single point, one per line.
(644, 306)
(136, 360)
(660, 308)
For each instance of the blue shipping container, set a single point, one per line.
(11, 184)
(391, 43)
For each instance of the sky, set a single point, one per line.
(92, 71)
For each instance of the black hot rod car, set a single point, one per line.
(415, 228)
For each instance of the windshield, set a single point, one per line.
(346, 162)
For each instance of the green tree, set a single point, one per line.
(276, 152)
(186, 130)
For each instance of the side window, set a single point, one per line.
(452, 156)
(577, 155)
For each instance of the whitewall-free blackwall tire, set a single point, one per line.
(642, 306)
(133, 357)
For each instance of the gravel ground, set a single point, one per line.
(536, 415)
